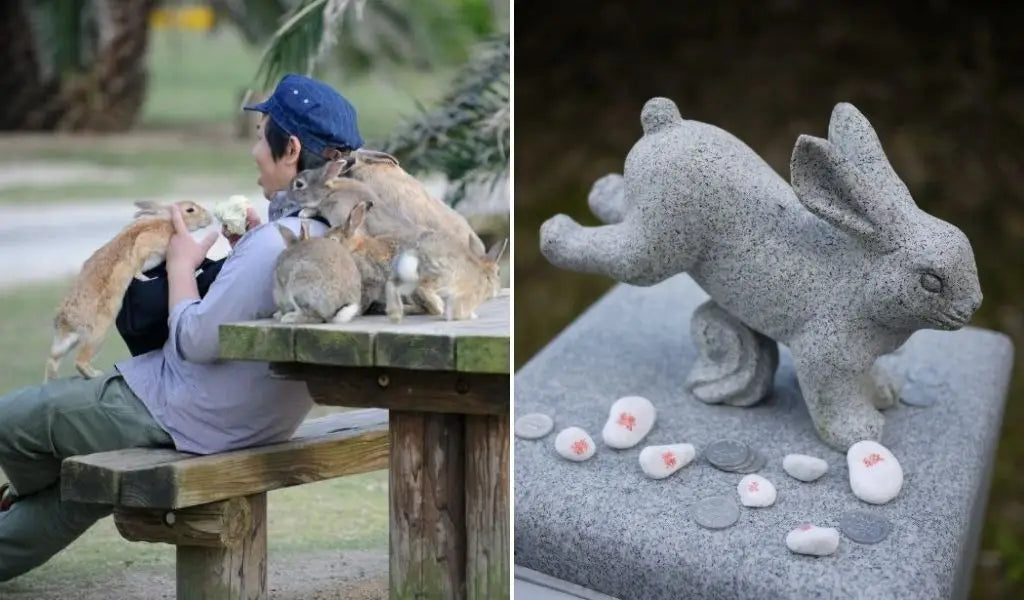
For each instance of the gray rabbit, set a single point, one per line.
(842, 267)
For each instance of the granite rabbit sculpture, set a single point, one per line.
(841, 266)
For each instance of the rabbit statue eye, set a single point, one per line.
(931, 282)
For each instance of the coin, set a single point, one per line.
(727, 454)
(864, 527)
(917, 393)
(755, 464)
(716, 512)
(533, 426)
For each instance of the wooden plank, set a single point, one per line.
(96, 478)
(427, 526)
(320, 345)
(414, 351)
(267, 339)
(402, 389)
(354, 343)
(332, 446)
(487, 507)
(233, 573)
(215, 525)
(480, 354)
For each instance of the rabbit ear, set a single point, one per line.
(833, 189)
(855, 138)
(356, 217)
(148, 207)
(496, 251)
(335, 169)
(287, 234)
(377, 157)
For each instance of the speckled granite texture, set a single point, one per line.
(842, 266)
(604, 525)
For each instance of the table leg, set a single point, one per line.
(428, 527)
(487, 509)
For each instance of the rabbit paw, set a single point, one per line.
(88, 371)
(297, 317)
(142, 277)
(307, 213)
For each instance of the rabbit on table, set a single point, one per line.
(842, 266)
(91, 306)
(400, 201)
(315, 280)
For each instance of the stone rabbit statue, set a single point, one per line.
(841, 265)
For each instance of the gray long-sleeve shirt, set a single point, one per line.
(209, 405)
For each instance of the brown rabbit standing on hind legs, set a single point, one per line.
(95, 299)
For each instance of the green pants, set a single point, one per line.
(39, 427)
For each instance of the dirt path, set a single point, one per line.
(318, 576)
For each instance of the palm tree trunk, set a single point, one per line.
(106, 96)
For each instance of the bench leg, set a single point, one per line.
(427, 528)
(487, 511)
(238, 572)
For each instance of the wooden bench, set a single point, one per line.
(214, 508)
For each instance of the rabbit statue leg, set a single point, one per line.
(840, 399)
(735, 364)
(607, 199)
(623, 251)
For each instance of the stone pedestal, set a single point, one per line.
(603, 525)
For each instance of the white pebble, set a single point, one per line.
(875, 474)
(533, 426)
(658, 462)
(813, 540)
(756, 491)
(629, 420)
(574, 444)
(804, 467)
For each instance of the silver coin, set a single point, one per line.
(756, 463)
(716, 512)
(864, 527)
(727, 454)
(916, 393)
(533, 426)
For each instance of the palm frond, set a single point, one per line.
(467, 137)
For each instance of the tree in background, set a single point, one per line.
(467, 137)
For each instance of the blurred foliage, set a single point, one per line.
(941, 81)
(356, 36)
(467, 136)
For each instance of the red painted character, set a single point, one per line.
(669, 458)
(872, 460)
(579, 446)
(627, 420)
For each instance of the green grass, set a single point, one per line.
(349, 513)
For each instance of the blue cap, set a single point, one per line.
(313, 112)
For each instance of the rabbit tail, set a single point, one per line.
(64, 339)
(406, 273)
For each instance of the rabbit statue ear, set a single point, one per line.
(854, 137)
(833, 189)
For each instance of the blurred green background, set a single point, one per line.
(78, 134)
(942, 82)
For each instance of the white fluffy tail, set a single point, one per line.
(346, 314)
(407, 267)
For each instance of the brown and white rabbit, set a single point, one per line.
(400, 201)
(92, 305)
(447, 276)
(315, 280)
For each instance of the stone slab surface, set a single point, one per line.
(602, 524)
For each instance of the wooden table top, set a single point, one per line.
(420, 342)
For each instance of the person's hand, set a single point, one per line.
(252, 219)
(184, 252)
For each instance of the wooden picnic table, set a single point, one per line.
(446, 385)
